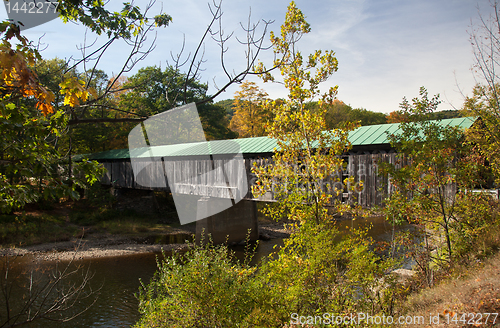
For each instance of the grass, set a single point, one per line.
(63, 221)
(476, 290)
(127, 226)
(21, 230)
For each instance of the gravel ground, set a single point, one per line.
(105, 245)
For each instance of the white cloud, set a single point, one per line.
(386, 48)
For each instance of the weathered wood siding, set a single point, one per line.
(122, 174)
(215, 178)
(370, 188)
(225, 178)
(106, 178)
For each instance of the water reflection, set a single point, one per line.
(118, 279)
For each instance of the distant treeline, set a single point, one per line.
(339, 113)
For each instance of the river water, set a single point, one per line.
(116, 279)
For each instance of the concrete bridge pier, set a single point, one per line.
(230, 225)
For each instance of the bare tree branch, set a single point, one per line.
(105, 120)
(255, 35)
(45, 294)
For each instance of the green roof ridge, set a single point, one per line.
(377, 134)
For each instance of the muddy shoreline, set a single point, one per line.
(106, 245)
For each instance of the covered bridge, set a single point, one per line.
(214, 178)
(370, 145)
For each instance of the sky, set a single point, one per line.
(387, 49)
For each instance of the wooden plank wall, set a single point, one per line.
(122, 174)
(106, 178)
(186, 176)
(215, 178)
(151, 176)
(375, 188)
(189, 178)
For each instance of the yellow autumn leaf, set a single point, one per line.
(73, 91)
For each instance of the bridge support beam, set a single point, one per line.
(230, 225)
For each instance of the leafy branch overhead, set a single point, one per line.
(127, 23)
(34, 166)
(17, 75)
(134, 27)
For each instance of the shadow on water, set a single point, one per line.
(379, 228)
(117, 278)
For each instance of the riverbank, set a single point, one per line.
(97, 245)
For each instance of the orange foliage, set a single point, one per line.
(396, 117)
(16, 78)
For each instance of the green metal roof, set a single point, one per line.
(362, 136)
(377, 134)
(216, 147)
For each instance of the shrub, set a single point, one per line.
(473, 232)
(206, 287)
(317, 271)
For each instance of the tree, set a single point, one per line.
(308, 156)
(486, 134)
(31, 168)
(186, 66)
(366, 117)
(396, 117)
(317, 270)
(153, 90)
(228, 105)
(35, 114)
(431, 178)
(32, 119)
(485, 99)
(15, 63)
(339, 113)
(400, 117)
(250, 117)
(94, 15)
(83, 139)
